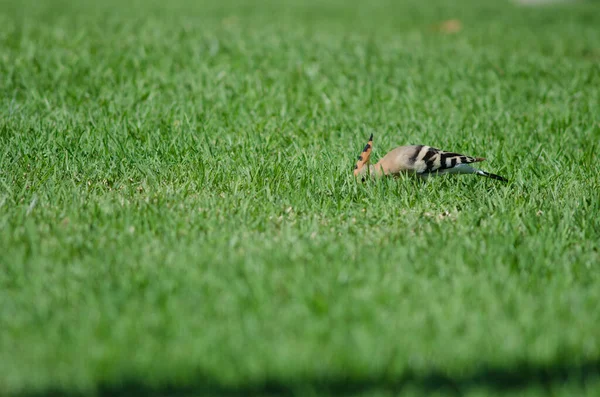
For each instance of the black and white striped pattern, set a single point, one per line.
(428, 160)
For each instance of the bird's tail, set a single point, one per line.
(363, 158)
(493, 176)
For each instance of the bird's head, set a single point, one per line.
(363, 169)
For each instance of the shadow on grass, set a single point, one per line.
(497, 379)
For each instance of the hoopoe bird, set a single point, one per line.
(421, 160)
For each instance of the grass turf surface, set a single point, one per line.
(178, 215)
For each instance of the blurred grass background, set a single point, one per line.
(178, 215)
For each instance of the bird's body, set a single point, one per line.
(421, 160)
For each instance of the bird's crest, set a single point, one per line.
(363, 158)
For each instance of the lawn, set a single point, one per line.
(178, 214)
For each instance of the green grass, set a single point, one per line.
(178, 214)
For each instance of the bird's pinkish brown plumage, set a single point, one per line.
(421, 160)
